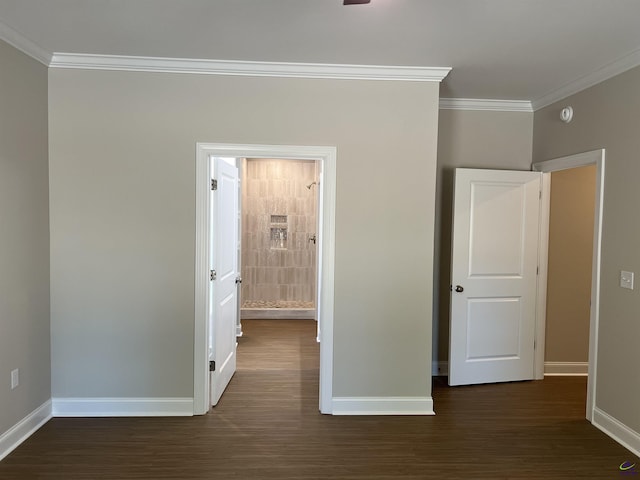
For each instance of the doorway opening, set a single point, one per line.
(277, 325)
(476, 345)
(596, 158)
(325, 158)
(571, 216)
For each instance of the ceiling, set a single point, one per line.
(498, 49)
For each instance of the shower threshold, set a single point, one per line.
(277, 310)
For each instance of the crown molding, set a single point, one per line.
(23, 44)
(243, 68)
(606, 72)
(485, 104)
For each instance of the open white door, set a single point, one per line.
(493, 276)
(223, 291)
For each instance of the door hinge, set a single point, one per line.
(214, 184)
(213, 275)
(537, 270)
(212, 365)
(540, 195)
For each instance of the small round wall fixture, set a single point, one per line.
(566, 114)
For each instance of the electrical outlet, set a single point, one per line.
(15, 378)
(626, 279)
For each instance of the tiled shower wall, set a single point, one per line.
(278, 221)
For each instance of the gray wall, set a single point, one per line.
(607, 116)
(122, 169)
(571, 215)
(24, 236)
(471, 139)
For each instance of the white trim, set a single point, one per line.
(22, 430)
(541, 286)
(201, 300)
(625, 436)
(383, 406)
(23, 44)
(592, 157)
(486, 104)
(439, 368)
(621, 65)
(326, 249)
(122, 407)
(597, 158)
(566, 369)
(244, 68)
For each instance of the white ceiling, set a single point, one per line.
(498, 49)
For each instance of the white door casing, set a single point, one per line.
(326, 155)
(494, 262)
(597, 158)
(223, 287)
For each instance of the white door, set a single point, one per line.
(224, 291)
(493, 276)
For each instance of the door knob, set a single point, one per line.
(459, 289)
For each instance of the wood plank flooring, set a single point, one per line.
(267, 426)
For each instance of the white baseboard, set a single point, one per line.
(625, 436)
(277, 314)
(566, 368)
(440, 368)
(22, 430)
(122, 407)
(383, 406)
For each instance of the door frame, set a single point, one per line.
(597, 158)
(326, 156)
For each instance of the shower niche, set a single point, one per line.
(279, 229)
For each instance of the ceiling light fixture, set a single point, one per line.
(355, 2)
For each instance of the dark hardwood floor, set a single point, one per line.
(267, 426)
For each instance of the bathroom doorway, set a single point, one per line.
(279, 233)
(207, 238)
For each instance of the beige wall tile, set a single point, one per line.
(278, 187)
